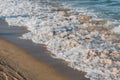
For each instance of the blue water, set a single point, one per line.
(14, 16)
(109, 9)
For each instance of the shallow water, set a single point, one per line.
(39, 51)
(83, 35)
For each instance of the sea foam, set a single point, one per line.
(116, 30)
(72, 34)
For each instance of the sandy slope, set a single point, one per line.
(16, 64)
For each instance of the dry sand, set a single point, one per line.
(16, 64)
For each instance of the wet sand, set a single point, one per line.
(16, 64)
(38, 51)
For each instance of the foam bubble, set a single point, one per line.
(116, 30)
(87, 44)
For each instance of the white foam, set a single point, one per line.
(84, 50)
(116, 30)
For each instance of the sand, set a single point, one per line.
(16, 64)
(38, 51)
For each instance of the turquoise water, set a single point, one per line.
(109, 9)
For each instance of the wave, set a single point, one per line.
(77, 35)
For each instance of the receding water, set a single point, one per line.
(82, 32)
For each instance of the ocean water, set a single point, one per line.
(85, 33)
(103, 8)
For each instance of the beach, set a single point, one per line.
(39, 52)
(78, 34)
(16, 64)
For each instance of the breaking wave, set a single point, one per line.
(75, 34)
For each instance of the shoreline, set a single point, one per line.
(72, 34)
(39, 52)
(22, 66)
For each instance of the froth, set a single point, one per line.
(72, 34)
